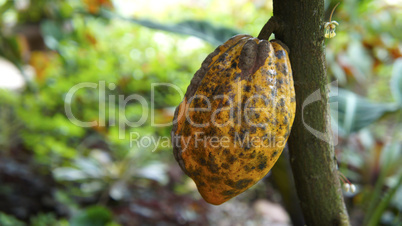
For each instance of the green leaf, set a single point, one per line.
(69, 174)
(360, 59)
(396, 81)
(52, 33)
(8, 220)
(384, 203)
(200, 29)
(92, 216)
(389, 165)
(355, 112)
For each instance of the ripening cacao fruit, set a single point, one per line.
(236, 117)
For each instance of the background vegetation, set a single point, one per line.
(53, 172)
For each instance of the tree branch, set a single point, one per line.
(273, 25)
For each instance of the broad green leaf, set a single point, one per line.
(355, 112)
(9, 220)
(384, 203)
(92, 216)
(200, 29)
(69, 174)
(52, 33)
(396, 81)
(335, 67)
(360, 59)
(397, 201)
(154, 171)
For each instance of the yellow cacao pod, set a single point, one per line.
(236, 117)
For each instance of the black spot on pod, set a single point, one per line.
(225, 165)
(229, 193)
(247, 168)
(285, 120)
(213, 168)
(243, 183)
(252, 155)
(231, 159)
(284, 69)
(282, 102)
(247, 88)
(202, 161)
(262, 163)
(279, 54)
(279, 83)
(215, 179)
(262, 166)
(240, 184)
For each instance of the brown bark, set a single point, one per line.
(300, 25)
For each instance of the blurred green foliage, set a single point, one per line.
(96, 173)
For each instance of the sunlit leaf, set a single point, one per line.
(69, 174)
(361, 61)
(118, 190)
(89, 166)
(52, 33)
(93, 6)
(154, 171)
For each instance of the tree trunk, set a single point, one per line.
(310, 143)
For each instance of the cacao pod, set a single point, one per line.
(236, 117)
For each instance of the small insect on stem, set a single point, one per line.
(330, 26)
